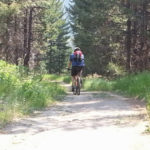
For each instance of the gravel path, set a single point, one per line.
(91, 121)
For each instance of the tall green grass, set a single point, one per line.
(97, 84)
(135, 85)
(57, 78)
(20, 95)
(132, 85)
(53, 77)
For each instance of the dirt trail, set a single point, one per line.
(91, 121)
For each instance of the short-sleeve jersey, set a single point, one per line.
(77, 63)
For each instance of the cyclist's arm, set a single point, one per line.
(69, 64)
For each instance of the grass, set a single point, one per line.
(53, 77)
(97, 84)
(21, 94)
(135, 85)
(67, 79)
(57, 78)
(132, 85)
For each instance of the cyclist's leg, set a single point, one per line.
(80, 74)
(72, 75)
(74, 78)
(73, 83)
(78, 86)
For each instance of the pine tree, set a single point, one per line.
(112, 32)
(56, 33)
(91, 31)
(26, 26)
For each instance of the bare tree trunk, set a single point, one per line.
(145, 25)
(27, 57)
(25, 33)
(128, 39)
(16, 43)
(128, 45)
(7, 38)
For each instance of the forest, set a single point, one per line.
(38, 36)
(33, 34)
(113, 34)
(45, 105)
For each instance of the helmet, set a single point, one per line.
(77, 48)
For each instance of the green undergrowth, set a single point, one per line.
(57, 78)
(97, 84)
(134, 85)
(21, 94)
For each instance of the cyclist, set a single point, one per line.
(77, 63)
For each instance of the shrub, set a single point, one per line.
(137, 85)
(21, 94)
(96, 84)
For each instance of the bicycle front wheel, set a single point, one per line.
(78, 87)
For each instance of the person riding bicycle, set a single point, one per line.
(77, 62)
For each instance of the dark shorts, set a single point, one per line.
(76, 70)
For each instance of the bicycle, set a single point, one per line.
(77, 89)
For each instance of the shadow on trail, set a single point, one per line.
(80, 112)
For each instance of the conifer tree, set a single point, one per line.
(26, 26)
(112, 31)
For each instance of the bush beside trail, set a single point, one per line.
(21, 94)
(57, 78)
(134, 85)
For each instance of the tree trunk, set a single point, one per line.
(16, 43)
(25, 33)
(128, 41)
(144, 34)
(27, 56)
(128, 45)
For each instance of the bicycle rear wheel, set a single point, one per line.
(78, 87)
(74, 90)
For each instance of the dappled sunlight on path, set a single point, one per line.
(90, 121)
